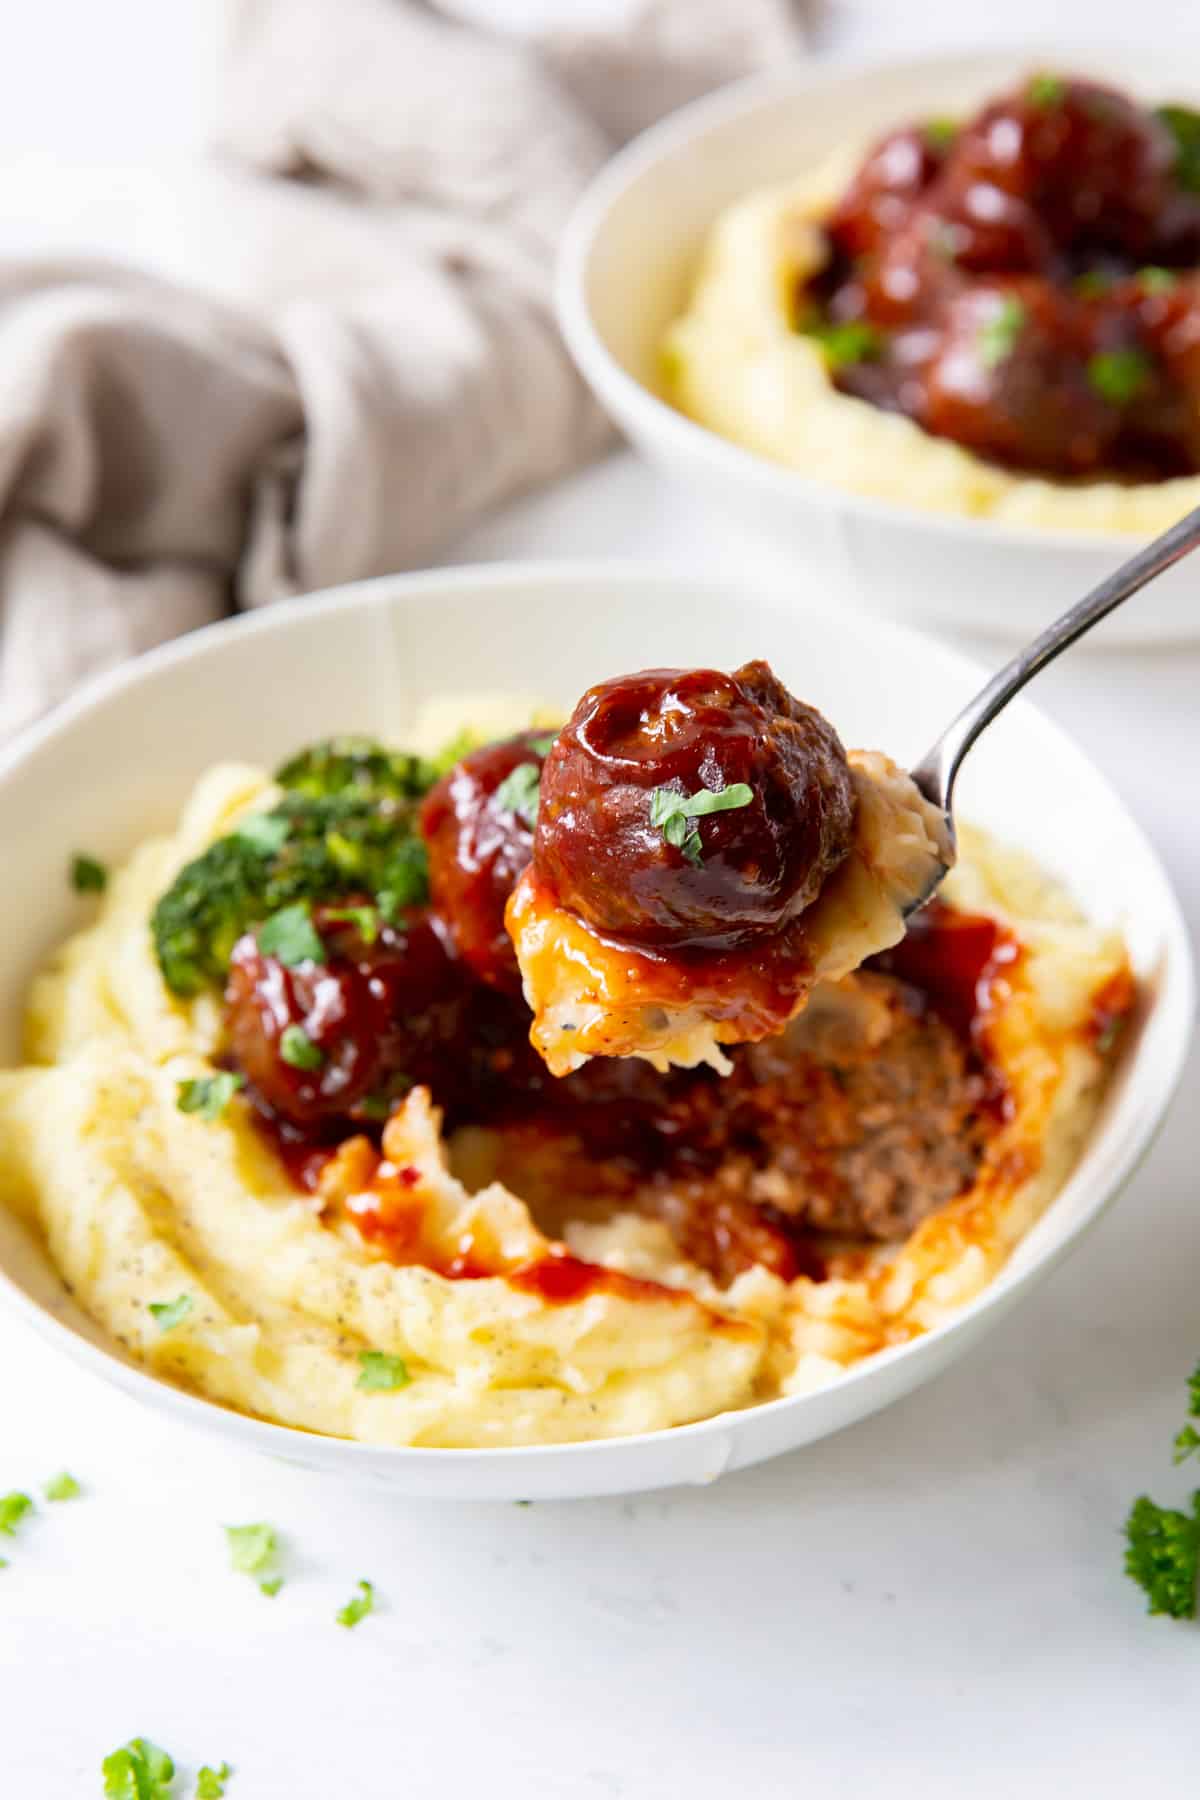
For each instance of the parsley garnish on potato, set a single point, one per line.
(208, 1095)
(1163, 1543)
(380, 1373)
(167, 1314)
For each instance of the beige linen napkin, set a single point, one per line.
(165, 457)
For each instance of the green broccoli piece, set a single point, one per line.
(356, 765)
(1163, 1555)
(307, 848)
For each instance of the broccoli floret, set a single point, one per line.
(349, 765)
(307, 848)
(1163, 1556)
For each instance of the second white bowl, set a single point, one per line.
(627, 259)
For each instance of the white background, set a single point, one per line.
(930, 1604)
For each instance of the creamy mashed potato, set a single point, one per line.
(733, 363)
(140, 1203)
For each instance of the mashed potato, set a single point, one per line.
(733, 362)
(141, 1204)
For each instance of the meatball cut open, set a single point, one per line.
(705, 851)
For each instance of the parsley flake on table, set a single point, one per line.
(167, 1314)
(87, 875)
(1163, 1555)
(210, 1783)
(518, 792)
(297, 1048)
(138, 1771)
(380, 1373)
(674, 812)
(13, 1508)
(999, 332)
(62, 1487)
(290, 936)
(208, 1095)
(357, 1609)
(252, 1551)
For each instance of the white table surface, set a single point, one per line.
(930, 1603)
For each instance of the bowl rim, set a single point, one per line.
(625, 395)
(1173, 1008)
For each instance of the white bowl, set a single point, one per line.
(116, 762)
(627, 260)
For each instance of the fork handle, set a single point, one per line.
(935, 774)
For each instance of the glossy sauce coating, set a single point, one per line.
(745, 872)
(1029, 284)
(477, 848)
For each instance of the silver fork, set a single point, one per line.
(937, 771)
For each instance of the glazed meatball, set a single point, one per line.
(1095, 167)
(877, 202)
(717, 879)
(378, 1018)
(478, 825)
(1010, 380)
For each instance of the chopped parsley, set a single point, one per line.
(357, 1609)
(210, 1783)
(1183, 123)
(940, 134)
(263, 831)
(1046, 90)
(999, 332)
(1118, 375)
(1092, 284)
(13, 1508)
(853, 342)
(544, 745)
(518, 792)
(62, 1487)
(208, 1095)
(290, 936)
(1163, 1555)
(365, 920)
(167, 1314)
(1157, 281)
(138, 1771)
(380, 1373)
(253, 1550)
(1162, 1543)
(674, 812)
(87, 875)
(298, 1050)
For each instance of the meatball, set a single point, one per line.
(1009, 378)
(608, 849)
(1095, 167)
(478, 826)
(896, 171)
(378, 1018)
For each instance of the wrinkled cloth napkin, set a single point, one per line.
(404, 171)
